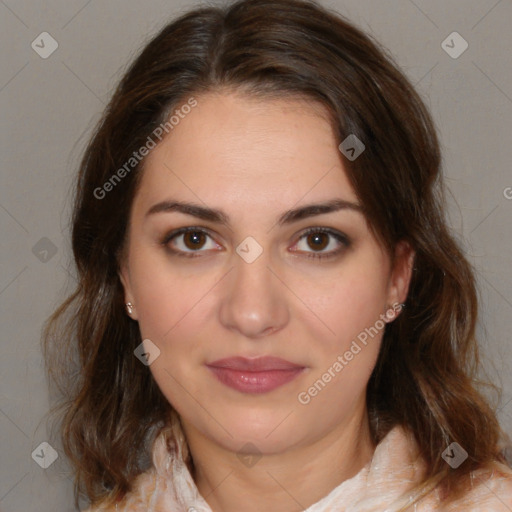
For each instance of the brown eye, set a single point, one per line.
(194, 239)
(318, 241)
(189, 242)
(314, 242)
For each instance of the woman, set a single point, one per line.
(271, 312)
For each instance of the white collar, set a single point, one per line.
(393, 469)
(382, 485)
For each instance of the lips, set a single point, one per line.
(258, 375)
(258, 364)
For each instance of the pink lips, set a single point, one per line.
(259, 375)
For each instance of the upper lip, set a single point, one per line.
(258, 364)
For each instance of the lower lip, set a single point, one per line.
(254, 382)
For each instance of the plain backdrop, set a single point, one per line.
(49, 106)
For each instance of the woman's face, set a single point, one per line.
(262, 274)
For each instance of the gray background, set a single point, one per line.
(49, 107)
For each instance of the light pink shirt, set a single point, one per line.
(380, 486)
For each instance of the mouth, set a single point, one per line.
(254, 376)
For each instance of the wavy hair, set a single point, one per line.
(425, 376)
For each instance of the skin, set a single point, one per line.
(255, 159)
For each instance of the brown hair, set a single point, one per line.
(425, 375)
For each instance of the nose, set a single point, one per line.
(254, 301)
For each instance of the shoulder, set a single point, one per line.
(137, 499)
(163, 485)
(488, 488)
(491, 490)
(98, 508)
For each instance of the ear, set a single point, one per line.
(401, 274)
(124, 276)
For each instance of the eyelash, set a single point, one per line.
(340, 237)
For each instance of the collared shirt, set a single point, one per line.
(382, 485)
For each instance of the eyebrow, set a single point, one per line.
(219, 217)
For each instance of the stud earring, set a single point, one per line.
(129, 307)
(392, 312)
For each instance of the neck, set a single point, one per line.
(298, 477)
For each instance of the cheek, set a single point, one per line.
(165, 297)
(350, 306)
(344, 361)
(347, 302)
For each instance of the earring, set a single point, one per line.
(129, 307)
(392, 312)
(389, 315)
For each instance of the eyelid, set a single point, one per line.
(180, 231)
(183, 231)
(342, 238)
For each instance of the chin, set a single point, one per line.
(258, 440)
(265, 429)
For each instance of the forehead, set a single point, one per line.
(251, 152)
